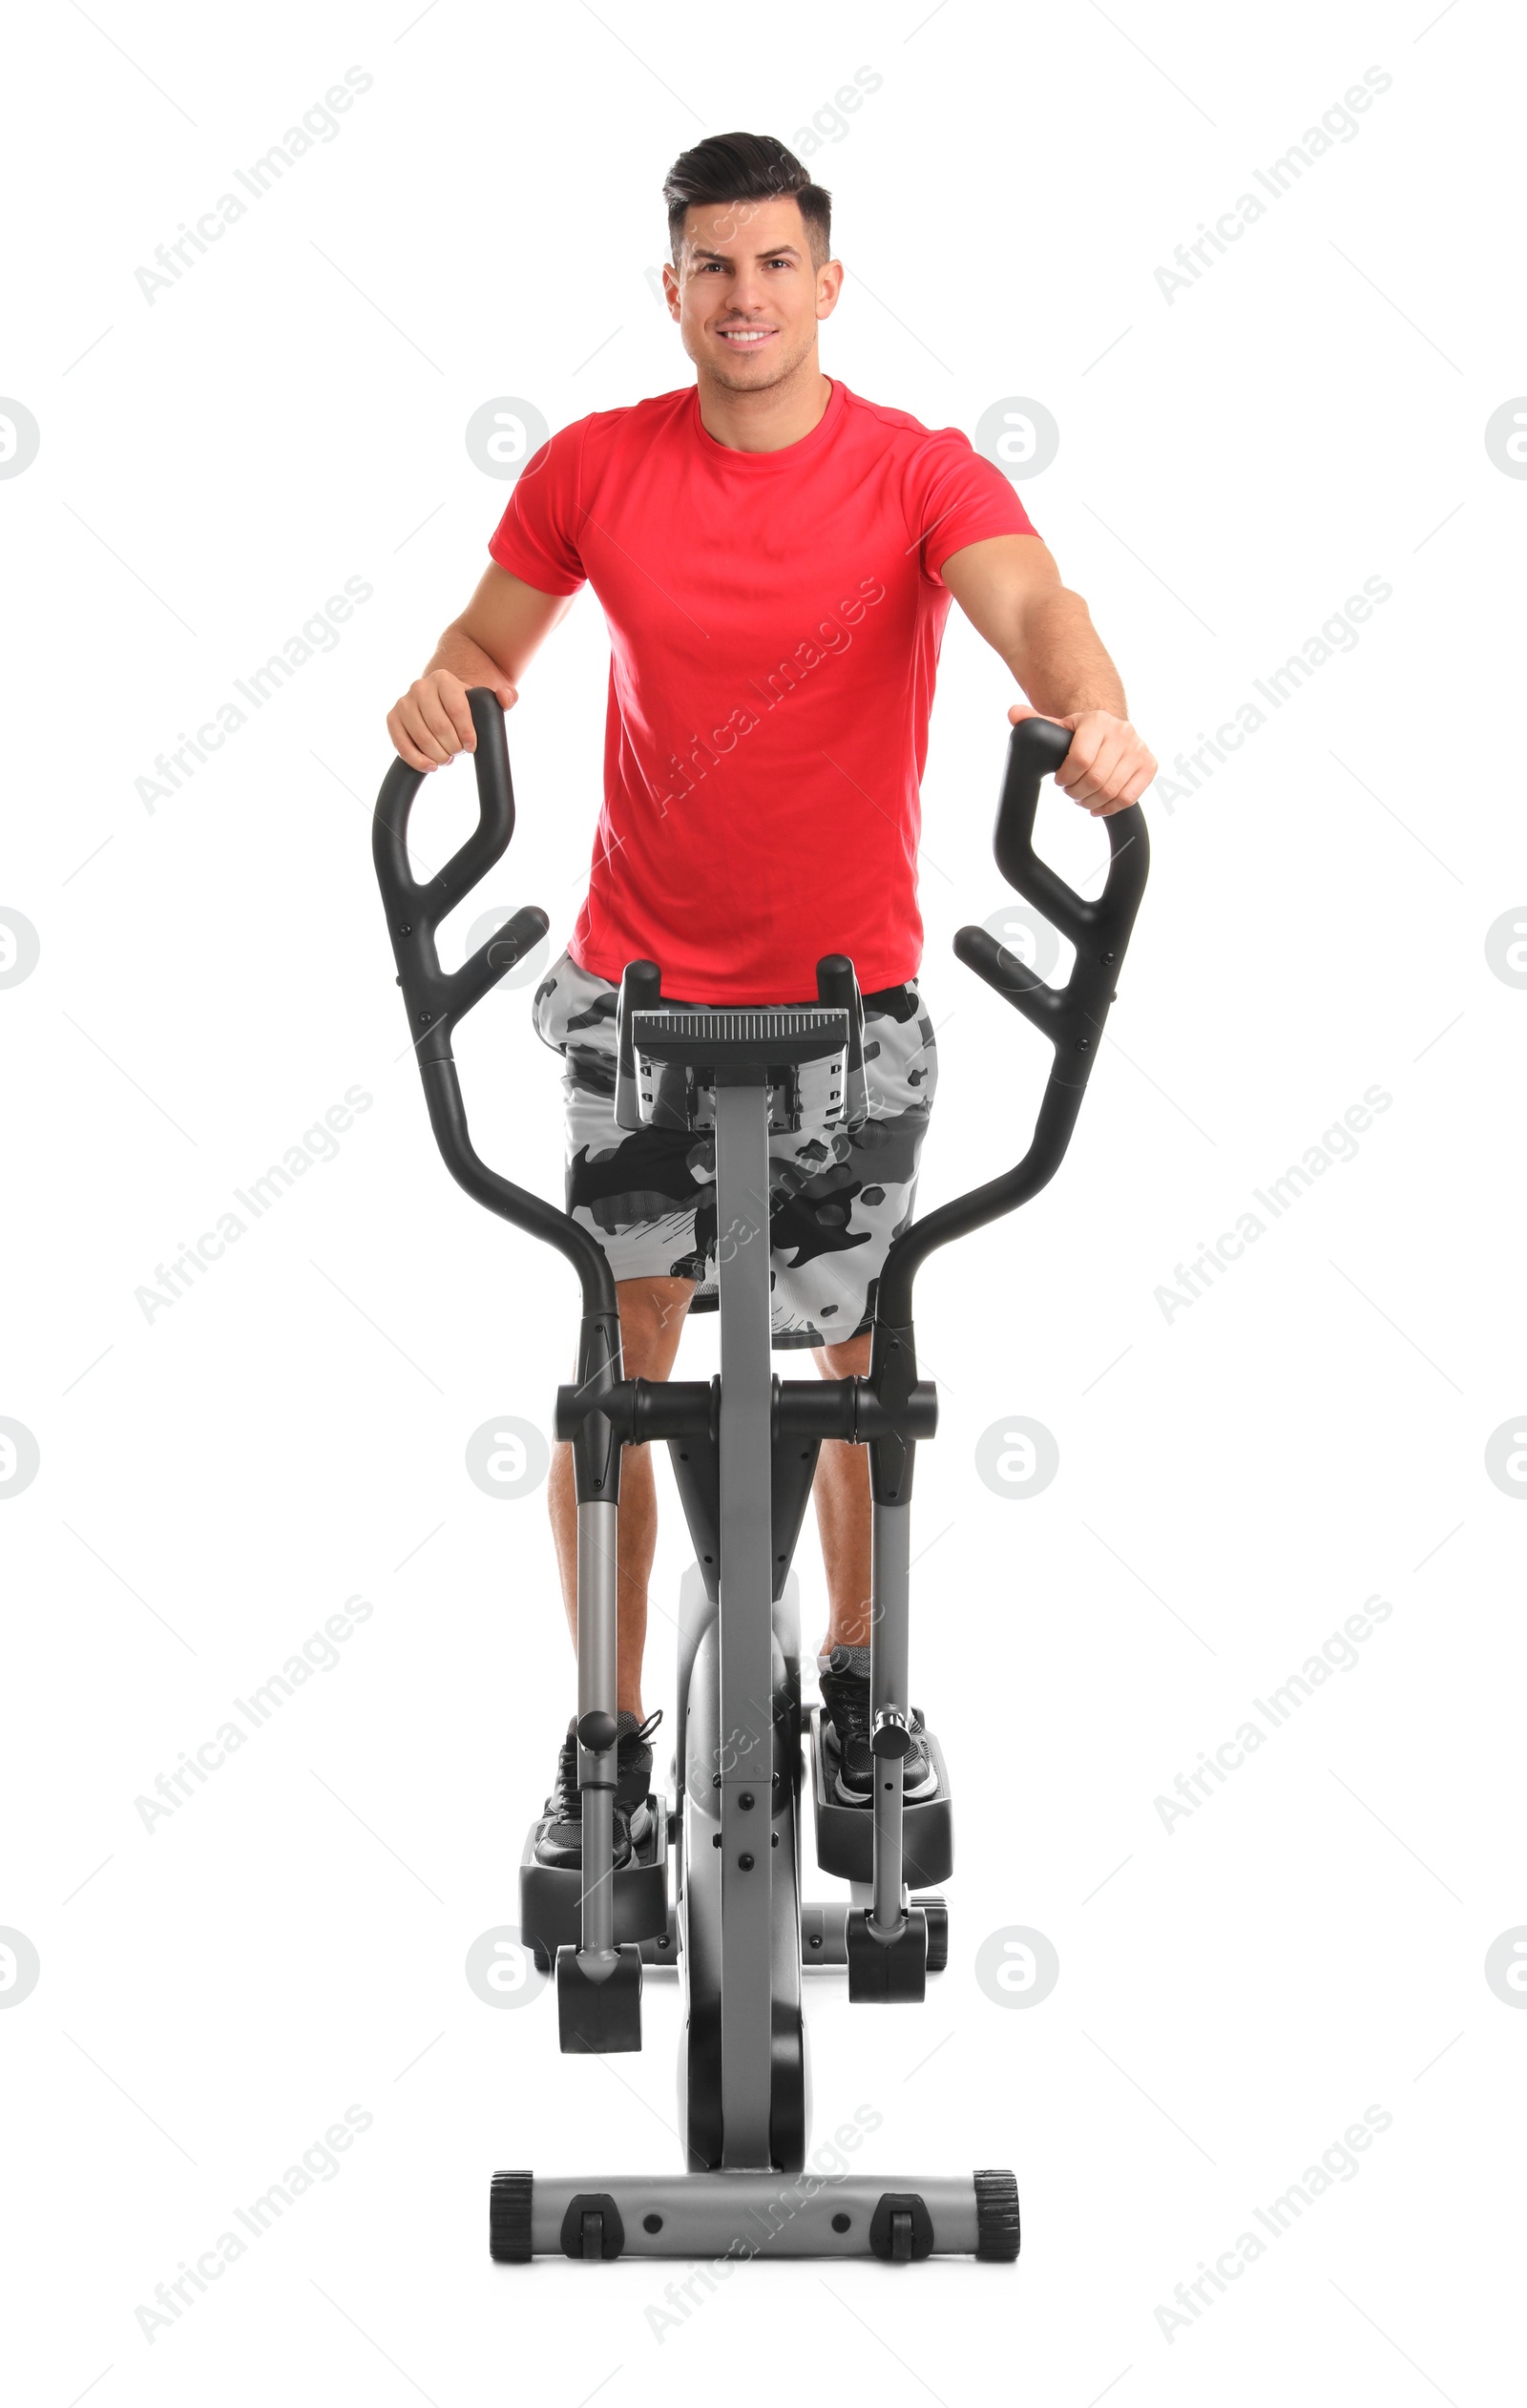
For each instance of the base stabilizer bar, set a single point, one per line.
(738, 2216)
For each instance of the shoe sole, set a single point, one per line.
(909, 1797)
(640, 1828)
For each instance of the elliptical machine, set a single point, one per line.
(715, 1887)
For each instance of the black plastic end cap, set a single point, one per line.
(935, 1915)
(599, 1732)
(996, 2215)
(508, 2219)
(519, 935)
(1040, 744)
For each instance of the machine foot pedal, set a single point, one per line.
(550, 1896)
(846, 1834)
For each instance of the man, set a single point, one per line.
(775, 559)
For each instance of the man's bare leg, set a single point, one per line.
(840, 1490)
(652, 1319)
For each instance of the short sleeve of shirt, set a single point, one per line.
(956, 497)
(537, 537)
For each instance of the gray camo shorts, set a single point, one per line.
(837, 1198)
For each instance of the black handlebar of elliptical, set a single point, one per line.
(1070, 1016)
(436, 1000)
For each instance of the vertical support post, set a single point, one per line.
(747, 1594)
(598, 1534)
(889, 1713)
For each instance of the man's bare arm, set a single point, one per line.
(492, 645)
(1009, 588)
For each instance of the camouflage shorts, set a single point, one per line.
(836, 1199)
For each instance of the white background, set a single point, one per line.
(1234, 1481)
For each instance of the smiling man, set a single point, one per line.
(774, 558)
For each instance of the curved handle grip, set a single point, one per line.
(1035, 751)
(1099, 930)
(1036, 747)
(1070, 1016)
(436, 1001)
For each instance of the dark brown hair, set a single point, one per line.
(746, 167)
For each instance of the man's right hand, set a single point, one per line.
(432, 723)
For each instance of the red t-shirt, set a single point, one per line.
(775, 620)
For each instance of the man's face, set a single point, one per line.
(746, 293)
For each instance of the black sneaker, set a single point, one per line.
(559, 1838)
(846, 1728)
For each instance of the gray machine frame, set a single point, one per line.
(745, 1449)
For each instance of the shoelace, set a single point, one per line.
(848, 1705)
(848, 1709)
(567, 1761)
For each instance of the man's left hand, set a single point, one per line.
(1107, 768)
